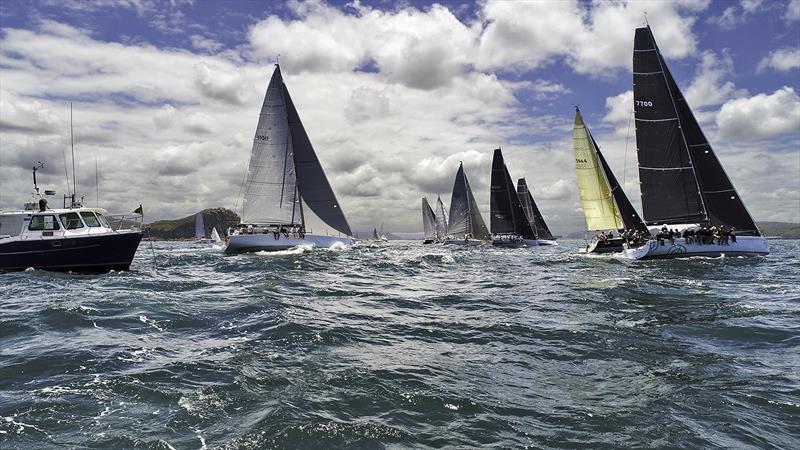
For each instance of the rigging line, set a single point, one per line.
(627, 138)
(239, 195)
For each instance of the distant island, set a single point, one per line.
(183, 228)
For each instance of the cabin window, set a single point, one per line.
(90, 219)
(10, 225)
(103, 221)
(41, 223)
(71, 221)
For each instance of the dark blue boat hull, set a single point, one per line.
(78, 254)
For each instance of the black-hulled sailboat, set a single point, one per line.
(684, 186)
(606, 208)
(543, 234)
(428, 222)
(284, 175)
(466, 226)
(509, 223)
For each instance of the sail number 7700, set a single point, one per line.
(644, 103)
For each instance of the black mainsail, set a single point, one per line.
(505, 209)
(465, 218)
(532, 211)
(681, 179)
(428, 220)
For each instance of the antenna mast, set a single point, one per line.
(72, 144)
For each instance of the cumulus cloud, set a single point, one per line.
(782, 60)
(761, 116)
(735, 15)
(792, 13)
(708, 86)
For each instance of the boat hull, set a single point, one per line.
(744, 246)
(546, 242)
(609, 246)
(247, 243)
(88, 253)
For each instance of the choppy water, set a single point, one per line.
(404, 345)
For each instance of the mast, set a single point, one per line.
(72, 144)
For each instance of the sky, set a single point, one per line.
(166, 97)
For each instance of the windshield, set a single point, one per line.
(103, 221)
(90, 219)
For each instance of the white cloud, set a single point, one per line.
(736, 14)
(792, 13)
(761, 116)
(708, 87)
(783, 60)
(620, 109)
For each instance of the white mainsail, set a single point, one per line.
(199, 226)
(441, 220)
(215, 236)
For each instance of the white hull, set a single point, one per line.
(547, 242)
(744, 246)
(243, 243)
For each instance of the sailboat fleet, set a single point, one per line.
(689, 205)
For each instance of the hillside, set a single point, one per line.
(183, 228)
(785, 230)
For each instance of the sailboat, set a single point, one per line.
(508, 220)
(441, 221)
(215, 237)
(466, 226)
(375, 236)
(284, 175)
(200, 229)
(684, 186)
(383, 236)
(605, 205)
(428, 222)
(543, 234)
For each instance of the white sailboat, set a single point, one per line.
(441, 221)
(215, 237)
(684, 186)
(284, 176)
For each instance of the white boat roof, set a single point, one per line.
(52, 211)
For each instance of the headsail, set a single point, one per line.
(428, 220)
(312, 183)
(215, 236)
(199, 226)
(682, 180)
(507, 215)
(270, 194)
(532, 211)
(595, 176)
(465, 218)
(598, 205)
(441, 220)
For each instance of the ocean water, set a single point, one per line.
(401, 345)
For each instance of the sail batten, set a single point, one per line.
(700, 192)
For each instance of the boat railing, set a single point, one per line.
(125, 221)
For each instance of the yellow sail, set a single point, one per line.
(598, 205)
